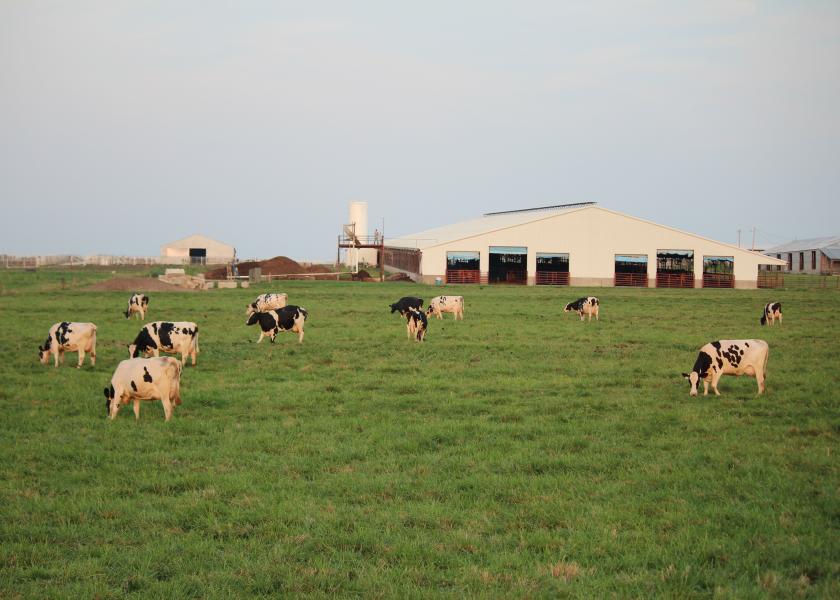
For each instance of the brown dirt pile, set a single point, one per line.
(136, 284)
(279, 265)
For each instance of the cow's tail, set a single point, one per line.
(304, 313)
(195, 340)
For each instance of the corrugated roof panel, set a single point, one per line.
(802, 245)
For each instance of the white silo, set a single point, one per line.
(359, 218)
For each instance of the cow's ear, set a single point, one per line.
(685, 375)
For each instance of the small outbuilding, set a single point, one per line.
(572, 244)
(197, 249)
(817, 256)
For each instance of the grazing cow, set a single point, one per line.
(772, 311)
(166, 336)
(416, 323)
(584, 306)
(138, 303)
(266, 302)
(405, 303)
(450, 304)
(288, 318)
(72, 337)
(139, 379)
(729, 357)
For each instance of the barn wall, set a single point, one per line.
(593, 237)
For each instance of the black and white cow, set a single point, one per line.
(772, 311)
(729, 357)
(266, 302)
(139, 379)
(584, 306)
(166, 336)
(450, 304)
(72, 337)
(405, 303)
(288, 318)
(138, 303)
(416, 323)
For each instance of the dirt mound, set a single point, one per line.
(398, 277)
(136, 284)
(279, 265)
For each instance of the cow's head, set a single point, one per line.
(393, 307)
(253, 318)
(44, 352)
(127, 313)
(252, 308)
(109, 396)
(133, 351)
(568, 307)
(694, 379)
(763, 319)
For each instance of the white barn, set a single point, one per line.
(572, 244)
(197, 249)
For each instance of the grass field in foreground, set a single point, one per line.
(519, 452)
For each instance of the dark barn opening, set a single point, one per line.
(463, 267)
(631, 270)
(719, 271)
(552, 268)
(198, 256)
(404, 259)
(675, 268)
(508, 264)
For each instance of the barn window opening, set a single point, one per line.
(801, 261)
(719, 271)
(463, 267)
(813, 260)
(675, 268)
(631, 270)
(508, 264)
(198, 256)
(552, 268)
(790, 261)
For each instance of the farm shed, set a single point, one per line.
(572, 244)
(816, 256)
(197, 249)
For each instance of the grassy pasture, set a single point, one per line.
(516, 453)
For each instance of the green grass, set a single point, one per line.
(516, 453)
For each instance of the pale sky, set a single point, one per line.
(125, 125)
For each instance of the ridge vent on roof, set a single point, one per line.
(540, 208)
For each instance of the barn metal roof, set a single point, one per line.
(486, 224)
(832, 252)
(819, 243)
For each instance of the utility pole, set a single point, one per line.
(739, 238)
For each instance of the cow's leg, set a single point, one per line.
(192, 351)
(780, 318)
(167, 407)
(705, 387)
(715, 378)
(60, 356)
(81, 357)
(92, 349)
(300, 335)
(55, 357)
(597, 312)
(262, 335)
(137, 409)
(760, 378)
